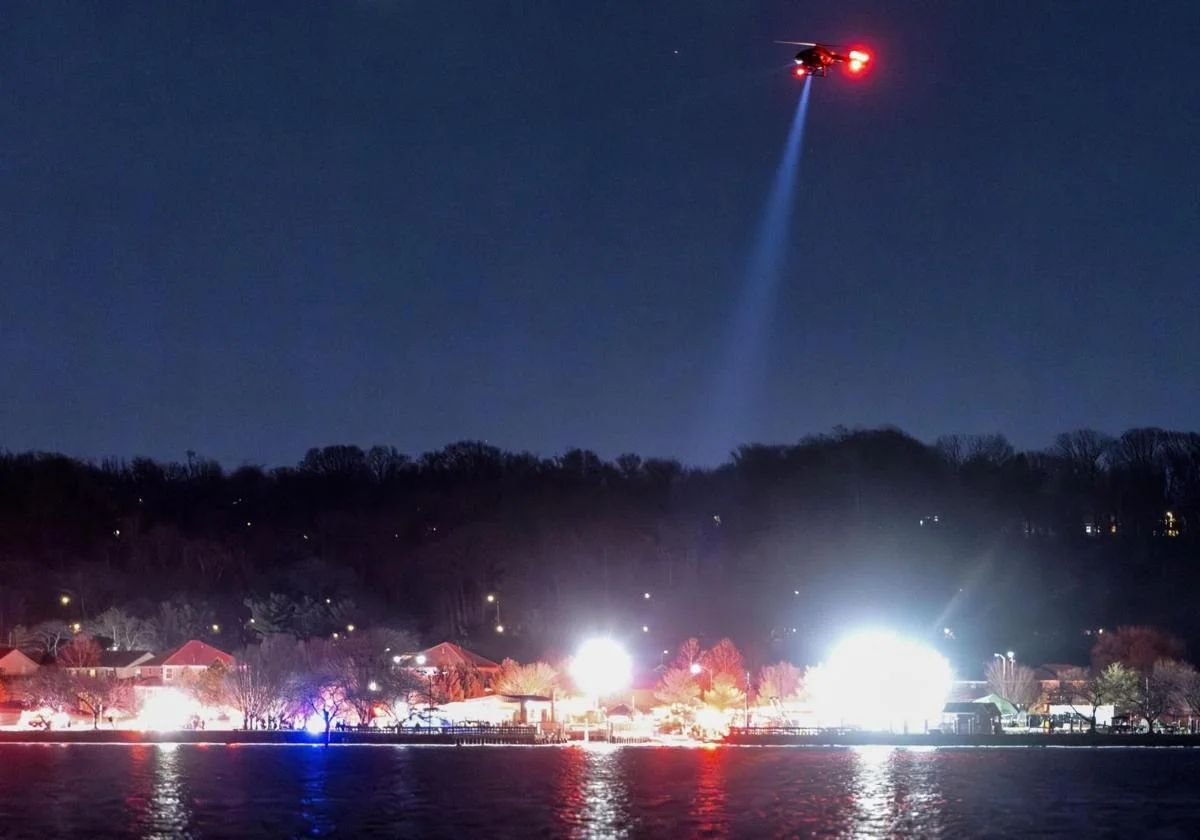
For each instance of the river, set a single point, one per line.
(172, 790)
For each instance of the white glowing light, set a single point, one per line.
(165, 709)
(878, 681)
(420, 659)
(694, 668)
(601, 667)
(315, 725)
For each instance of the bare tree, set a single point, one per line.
(320, 683)
(122, 630)
(1081, 689)
(779, 681)
(1187, 689)
(689, 653)
(725, 693)
(180, 621)
(724, 659)
(1017, 684)
(537, 678)
(678, 687)
(85, 687)
(1083, 450)
(1160, 689)
(43, 639)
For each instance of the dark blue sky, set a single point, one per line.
(246, 229)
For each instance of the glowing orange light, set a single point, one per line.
(800, 71)
(856, 66)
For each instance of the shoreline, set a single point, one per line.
(832, 741)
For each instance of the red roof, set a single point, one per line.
(449, 655)
(194, 654)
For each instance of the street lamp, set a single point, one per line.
(1007, 663)
(747, 699)
(493, 599)
(421, 660)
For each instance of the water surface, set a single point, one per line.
(666, 792)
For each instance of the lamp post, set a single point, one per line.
(747, 699)
(420, 660)
(492, 598)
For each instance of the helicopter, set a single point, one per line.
(816, 59)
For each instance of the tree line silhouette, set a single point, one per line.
(978, 545)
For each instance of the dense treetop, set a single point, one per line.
(782, 548)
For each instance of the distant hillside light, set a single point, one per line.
(396, 659)
(64, 599)
(349, 628)
(646, 595)
(216, 628)
(491, 599)
(420, 659)
(499, 628)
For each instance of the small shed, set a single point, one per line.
(970, 718)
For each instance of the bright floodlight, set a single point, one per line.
(881, 682)
(420, 659)
(694, 668)
(601, 667)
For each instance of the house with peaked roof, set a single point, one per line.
(122, 664)
(177, 665)
(14, 663)
(448, 656)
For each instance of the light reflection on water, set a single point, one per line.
(896, 792)
(314, 801)
(169, 813)
(708, 804)
(605, 807)
(599, 791)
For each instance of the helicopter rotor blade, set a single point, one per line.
(797, 43)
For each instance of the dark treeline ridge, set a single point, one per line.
(782, 548)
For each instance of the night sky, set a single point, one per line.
(246, 229)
